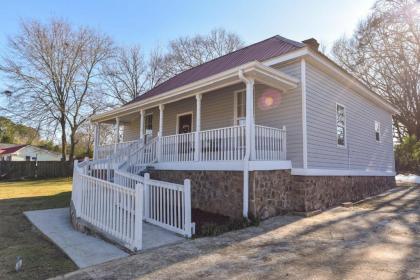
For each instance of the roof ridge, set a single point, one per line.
(295, 43)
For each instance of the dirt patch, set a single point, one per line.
(211, 224)
(376, 242)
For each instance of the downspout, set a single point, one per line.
(247, 154)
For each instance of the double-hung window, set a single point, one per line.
(240, 107)
(377, 131)
(341, 125)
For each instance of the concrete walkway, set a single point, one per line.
(85, 250)
(377, 239)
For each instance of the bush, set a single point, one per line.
(407, 156)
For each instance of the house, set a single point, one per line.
(13, 152)
(273, 127)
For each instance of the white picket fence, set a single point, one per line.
(115, 210)
(168, 205)
(118, 208)
(270, 143)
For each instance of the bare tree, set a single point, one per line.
(384, 53)
(53, 72)
(187, 52)
(128, 74)
(125, 76)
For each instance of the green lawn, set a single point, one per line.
(41, 259)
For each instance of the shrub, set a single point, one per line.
(407, 156)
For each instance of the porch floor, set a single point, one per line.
(85, 250)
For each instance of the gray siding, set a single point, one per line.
(289, 113)
(131, 130)
(363, 152)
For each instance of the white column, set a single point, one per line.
(142, 126)
(250, 139)
(117, 132)
(197, 145)
(161, 108)
(160, 133)
(96, 141)
(250, 135)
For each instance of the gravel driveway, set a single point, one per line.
(377, 239)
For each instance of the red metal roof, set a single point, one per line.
(260, 51)
(10, 150)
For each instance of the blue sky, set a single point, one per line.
(153, 23)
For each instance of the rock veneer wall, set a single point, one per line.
(212, 191)
(273, 192)
(322, 192)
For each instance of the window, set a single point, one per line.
(341, 125)
(148, 124)
(28, 158)
(240, 107)
(377, 131)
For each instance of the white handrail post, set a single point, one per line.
(197, 143)
(77, 190)
(138, 218)
(146, 195)
(283, 148)
(187, 205)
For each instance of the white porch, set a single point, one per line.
(253, 134)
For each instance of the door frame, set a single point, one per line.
(184, 114)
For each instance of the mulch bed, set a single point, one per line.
(207, 224)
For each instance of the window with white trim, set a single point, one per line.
(240, 108)
(341, 125)
(148, 124)
(377, 131)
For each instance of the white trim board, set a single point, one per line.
(304, 123)
(224, 165)
(339, 172)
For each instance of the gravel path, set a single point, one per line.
(377, 239)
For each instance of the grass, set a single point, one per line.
(41, 259)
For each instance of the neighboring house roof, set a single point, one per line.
(10, 149)
(266, 49)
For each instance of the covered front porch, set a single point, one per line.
(238, 117)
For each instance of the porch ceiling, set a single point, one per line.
(253, 70)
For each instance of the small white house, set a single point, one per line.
(12, 152)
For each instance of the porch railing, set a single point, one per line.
(121, 149)
(226, 143)
(179, 147)
(221, 144)
(270, 143)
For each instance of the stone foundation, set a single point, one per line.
(274, 192)
(271, 193)
(322, 192)
(217, 192)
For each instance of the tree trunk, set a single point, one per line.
(72, 145)
(63, 138)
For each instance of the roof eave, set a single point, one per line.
(254, 69)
